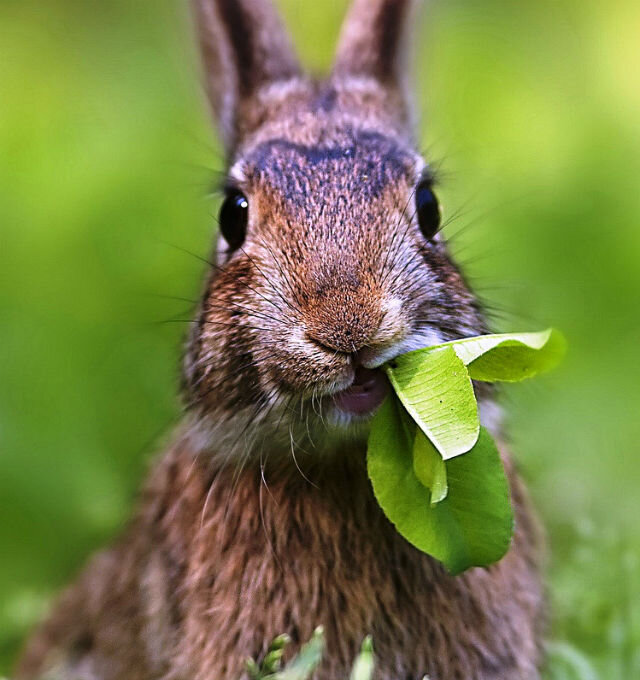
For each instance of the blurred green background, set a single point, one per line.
(532, 109)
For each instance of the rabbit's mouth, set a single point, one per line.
(365, 394)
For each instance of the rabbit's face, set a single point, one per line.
(331, 266)
(330, 262)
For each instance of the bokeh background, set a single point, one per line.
(532, 112)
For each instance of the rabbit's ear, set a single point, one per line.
(374, 43)
(244, 47)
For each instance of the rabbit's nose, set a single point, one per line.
(364, 331)
(344, 312)
(346, 339)
(341, 325)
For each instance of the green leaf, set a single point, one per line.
(477, 507)
(454, 507)
(472, 526)
(365, 662)
(429, 467)
(435, 388)
(510, 357)
(303, 665)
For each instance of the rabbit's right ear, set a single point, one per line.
(374, 43)
(244, 47)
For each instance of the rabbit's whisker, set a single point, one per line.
(219, 269)
(246, 311)
(395, 241)
(255, 362)
(295, 459)
(224, 324)
(263, 484)
(223, 305)
(162, 296)
(285, 278)
(270, 282)
(245, 457)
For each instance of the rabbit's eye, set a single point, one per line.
(428, 210)
(234, 214)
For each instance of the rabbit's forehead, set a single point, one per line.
(352, 164)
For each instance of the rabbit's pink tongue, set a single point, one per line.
(366, 393)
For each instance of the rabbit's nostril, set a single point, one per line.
(349, 339)
(330, 343)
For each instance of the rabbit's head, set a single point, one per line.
(329, 259)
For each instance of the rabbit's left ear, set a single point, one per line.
(244, 48)
(374, 43)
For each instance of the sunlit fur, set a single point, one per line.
(259, 518)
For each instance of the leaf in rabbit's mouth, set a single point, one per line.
(365, 394)
(436, 473)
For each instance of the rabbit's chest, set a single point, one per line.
(259, 558)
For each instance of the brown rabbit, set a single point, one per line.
(259, 519)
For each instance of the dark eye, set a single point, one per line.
(427, 210)
(234, 214)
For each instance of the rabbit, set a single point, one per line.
(259, 518)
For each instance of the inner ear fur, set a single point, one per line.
(374, 43)
(244, 47)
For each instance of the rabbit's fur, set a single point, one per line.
(260, 519)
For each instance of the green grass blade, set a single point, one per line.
(365, 662)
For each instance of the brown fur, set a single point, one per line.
(260, 519)
(216, 564)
